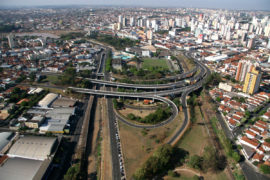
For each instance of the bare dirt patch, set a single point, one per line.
(138, 144)
(136, 112)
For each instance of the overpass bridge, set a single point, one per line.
(182, 83)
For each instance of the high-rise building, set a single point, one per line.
(148, 23)
(120, 19)
(250, 44)
(268, 45)
(10, 40)
(171, 23)
(124, 21)
(252, 81)
(154, 23)
(132, 21)
(149, 34)
(243, 68)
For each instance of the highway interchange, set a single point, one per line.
(155, 92)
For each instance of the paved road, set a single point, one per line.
(172, 117)
(250, 173)
(116, 174)
(114, 150)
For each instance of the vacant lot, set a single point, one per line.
(136, 112)
(51, 79)
(196, 138)
(194, 141)
(138, 144)
(149, 62)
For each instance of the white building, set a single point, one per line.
(47, 100)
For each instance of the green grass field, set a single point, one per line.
(196, 138)
(150, 62)
(51, 78)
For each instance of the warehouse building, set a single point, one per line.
(63, 102)
(47, 100)
(20, 168)
(57, 120)
(33, 147)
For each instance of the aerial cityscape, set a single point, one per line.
(116, 90)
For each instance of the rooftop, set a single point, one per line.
(19, 168)
(32, 147)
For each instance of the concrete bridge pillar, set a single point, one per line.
(138, 99)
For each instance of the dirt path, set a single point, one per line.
(106, 156)
(188, 170)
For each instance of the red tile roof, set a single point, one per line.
(258, 156)
(250, 132)
(250, 141)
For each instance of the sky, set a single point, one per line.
(228, 4)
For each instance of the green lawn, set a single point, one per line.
(51, 78)
(196, 138)
(151, 62)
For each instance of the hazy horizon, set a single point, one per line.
(229, 4)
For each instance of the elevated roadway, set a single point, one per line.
(181, 83)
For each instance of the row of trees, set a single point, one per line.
(153, 118)
(163, 159)
(225, 142)
(108, 64)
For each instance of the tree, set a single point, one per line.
(212, 160)
(265, 169)
(218, 99)
(72, 173)
(247, 114)
(236, 156)
(163, 159)
(69, 76)
(267, 140)
(172, 173)
(239, 176)
(195, 177)
(195, 162)
(32, 76)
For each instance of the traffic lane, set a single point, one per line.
(114, 148)
(185, 123)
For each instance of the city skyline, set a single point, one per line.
(217, 4)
